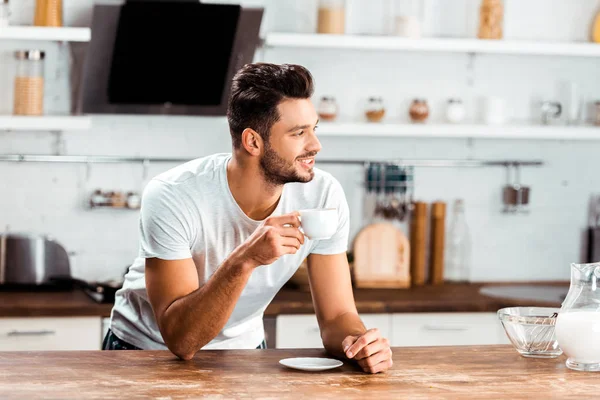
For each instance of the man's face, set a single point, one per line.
(289, 154)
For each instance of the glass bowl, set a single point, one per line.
(531, 330)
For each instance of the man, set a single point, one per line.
(220, 235)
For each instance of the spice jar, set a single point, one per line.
(455, 111)
(133, 200)
(48, 13)
(597, 108)
(29, 83)
(419, 110)
(328, 108)
(491, 19)
(375, 109)
(4, 13)
(332, 16)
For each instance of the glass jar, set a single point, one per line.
(375, 109)
(29, 83)
(491, 19)
(419, 110)
(406, 16)
(455, 111)
(48, 13)
(4, 13)
(332, 17)
(328, 108)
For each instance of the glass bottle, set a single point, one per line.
(4, 13)
(578, 322)
(458, 257)
(331, 17)
(29, 83)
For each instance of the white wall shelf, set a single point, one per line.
(44, 123)
(391, 43)
(429, 130)
(65, 34)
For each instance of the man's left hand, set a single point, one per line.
(370, 350)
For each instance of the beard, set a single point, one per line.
(279, 171)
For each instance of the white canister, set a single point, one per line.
(494, 110)
(455, 111)
(407, 26)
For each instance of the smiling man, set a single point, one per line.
(219, 236)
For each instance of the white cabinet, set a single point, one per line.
(302, 331)
(402, 329)
(447, 329)
(40, 334)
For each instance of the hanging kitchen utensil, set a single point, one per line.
(515, 196)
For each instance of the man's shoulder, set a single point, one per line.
(199, 168)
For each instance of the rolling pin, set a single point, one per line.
(418, 241)
(436, 267)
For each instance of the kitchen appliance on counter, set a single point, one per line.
(165, 57)
(31, 259)
(593, 230)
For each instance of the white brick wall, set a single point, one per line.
(49, 198)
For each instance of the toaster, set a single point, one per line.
(31, 259)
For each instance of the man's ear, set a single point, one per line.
(252, 142)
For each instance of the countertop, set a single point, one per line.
(478, 372)
(444, 298)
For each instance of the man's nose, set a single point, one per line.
(314, 143)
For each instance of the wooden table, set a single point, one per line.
(482, 372)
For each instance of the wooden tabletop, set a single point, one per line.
(447, 297)
(427, 372)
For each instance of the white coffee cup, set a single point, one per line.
(319, 223)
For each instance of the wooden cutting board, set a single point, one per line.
(381, 257)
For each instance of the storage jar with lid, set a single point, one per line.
(375, 109)
(491, 19)
(29, 83)
(407, 17)
(328, 108)
(48, 13)
(419, 110)
(455, 111)
(332, 17)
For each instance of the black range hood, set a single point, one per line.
(165, 57)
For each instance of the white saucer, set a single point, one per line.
(311, 363)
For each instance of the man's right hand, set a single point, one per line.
(275, 237)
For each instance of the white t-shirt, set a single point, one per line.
(189, 211)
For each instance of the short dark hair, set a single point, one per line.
(256, 91)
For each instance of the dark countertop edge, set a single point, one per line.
(301, 303)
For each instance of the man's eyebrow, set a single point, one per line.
(297, 127)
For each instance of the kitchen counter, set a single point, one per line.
(444, 298)
(50, 304)
(426, 372)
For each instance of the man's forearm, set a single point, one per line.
(336, 330)
(192, 321)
